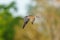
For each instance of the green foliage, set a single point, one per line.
(8, 7)
(7, 22)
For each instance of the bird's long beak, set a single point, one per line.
(38, 16)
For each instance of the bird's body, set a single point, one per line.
(31, 18)
(27, 19)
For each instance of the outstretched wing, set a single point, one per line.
(26, 20)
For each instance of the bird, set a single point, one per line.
(29, 18)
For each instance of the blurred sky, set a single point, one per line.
(22, 5)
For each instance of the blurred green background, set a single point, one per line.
(11, 27)
(7, 21)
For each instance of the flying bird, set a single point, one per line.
(29, 18)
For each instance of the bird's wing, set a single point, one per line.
(26, 20)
